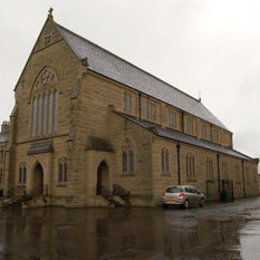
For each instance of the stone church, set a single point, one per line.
(89, 129)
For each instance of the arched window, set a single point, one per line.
(238, 173)
(55, 111)
(209, 169)
(45, 103)
(22, 173)
(44, 114)
(190, 166)
(49, 113)
(224, 170)
(128, 165)
(62, 170)
(124, 162)
(165, 160)
(1, 175)
(34, 109)
(65, 171)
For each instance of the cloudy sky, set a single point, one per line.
(207, 48)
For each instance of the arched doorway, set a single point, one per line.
(37, 180)
(102, 178)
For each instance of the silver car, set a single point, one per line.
(182, 196)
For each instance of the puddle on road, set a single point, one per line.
(113, 234)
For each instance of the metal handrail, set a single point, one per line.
(121, 192)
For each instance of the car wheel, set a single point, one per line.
(202, 203)
(186, 204)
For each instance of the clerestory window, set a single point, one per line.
(150, 110)
(45, 104)
(127, 102)
(172, 118)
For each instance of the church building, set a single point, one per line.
(90, 129)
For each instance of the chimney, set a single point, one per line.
(4, 127)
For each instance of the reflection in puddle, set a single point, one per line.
(137, 233)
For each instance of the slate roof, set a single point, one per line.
(109, 65)
(178, 136)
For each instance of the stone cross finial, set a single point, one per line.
(50, 12)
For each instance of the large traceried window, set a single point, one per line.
(45, 104)
(128, 157)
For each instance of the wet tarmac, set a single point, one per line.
(219, 231)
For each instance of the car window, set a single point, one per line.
(188, 189)
(174, 190)
(195, 191)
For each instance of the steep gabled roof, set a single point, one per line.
(109, 65)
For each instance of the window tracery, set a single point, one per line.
(190, 166)
(45, 104)
(62, 170)
(165, 160)
(128, 157)
(22, 173)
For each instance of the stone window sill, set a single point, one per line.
(191, 180)
(127, 174)
(165, 175)
(21, 185)
(61, 185)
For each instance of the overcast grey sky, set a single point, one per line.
(210, 47)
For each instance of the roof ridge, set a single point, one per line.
(148, 73)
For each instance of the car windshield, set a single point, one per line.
(174, 190)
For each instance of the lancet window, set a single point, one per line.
(128, 157)
(45, 104)
(209, 169)
(165, 160)
(22, 173)
(190, 166)
(62, 170)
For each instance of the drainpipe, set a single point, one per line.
(179, 164)
(218, 168)
(243, 179)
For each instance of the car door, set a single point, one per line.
(190, 195)
(197, 196)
